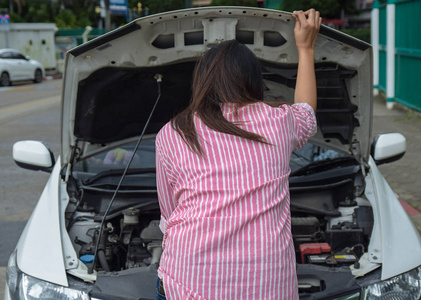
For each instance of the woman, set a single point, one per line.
(222, 177)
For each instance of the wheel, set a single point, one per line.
(4, 79)
(38, 76)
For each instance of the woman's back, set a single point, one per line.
(222, 177)
(225, 214)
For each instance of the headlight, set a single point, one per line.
(12, 273)
(24, 287)
(406, 286)
(32, 288)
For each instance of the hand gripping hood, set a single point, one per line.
(109, 85)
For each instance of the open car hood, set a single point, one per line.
(110, 89)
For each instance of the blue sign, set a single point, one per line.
(4, 19)
(4, 22)
(118, 7)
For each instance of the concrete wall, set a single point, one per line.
(33, 39)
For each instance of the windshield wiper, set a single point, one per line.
(301, 157)
(325, 163)
(117, 172)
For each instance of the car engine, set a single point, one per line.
(331, 221)
(130, 240)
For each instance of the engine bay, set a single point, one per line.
(331, 219)
(131, 237)
(331, 224)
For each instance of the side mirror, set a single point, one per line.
(33, 155)
(388, 147)
(27, 57)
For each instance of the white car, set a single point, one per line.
(14, 66)
(84, 240)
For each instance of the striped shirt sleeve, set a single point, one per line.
(305, 123)
(167, 202)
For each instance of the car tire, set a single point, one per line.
(5, 79)
(38, 76)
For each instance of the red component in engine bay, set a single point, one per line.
(313, 248)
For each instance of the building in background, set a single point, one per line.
(33, 39)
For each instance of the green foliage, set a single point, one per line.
(234, 2)
(83, 21)
(330, 9)
(4, 4)
(39, 14)
(360, 33)
(156, 6)
(15, 18)
(66, 19)
(84, 18)
(77, 13)
(81, 13)
(291, 5)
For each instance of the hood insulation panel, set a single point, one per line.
(114, 103)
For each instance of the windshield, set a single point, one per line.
(309, 154)
(119, 157)
(145, 158)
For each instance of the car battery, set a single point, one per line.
(313, 249)
(332, 259)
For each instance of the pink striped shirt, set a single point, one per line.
(226, 217)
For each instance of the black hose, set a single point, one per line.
(103, 260)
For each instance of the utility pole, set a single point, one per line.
(5, 24)
(107, 16)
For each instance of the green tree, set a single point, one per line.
(156, 6)
(360, 33)
(66, 19)
(16, 18)
(65, 13)
(40, 14)
(234, 2)
(20, 4)
(330, 9)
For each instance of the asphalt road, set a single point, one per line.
(27, 112)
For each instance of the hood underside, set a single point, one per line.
(110, 89)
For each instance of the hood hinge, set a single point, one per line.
(73, 155)
(355, 149)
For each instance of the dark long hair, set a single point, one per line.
(227, 73)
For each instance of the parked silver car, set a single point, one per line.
(353, 239)
(14, 66)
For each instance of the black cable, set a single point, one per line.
(103, 260)
(158, 78)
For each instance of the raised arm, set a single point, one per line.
(307, 25)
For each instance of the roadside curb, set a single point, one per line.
(52, 77)
(409, 209)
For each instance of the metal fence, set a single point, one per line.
(408, 53)
(399, 51)
(382, 48)
(77, 33)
